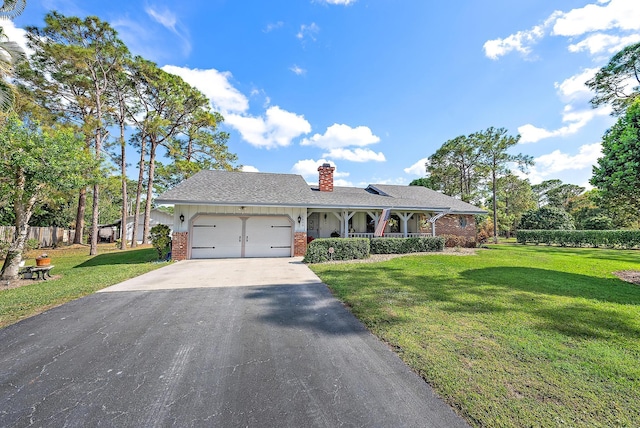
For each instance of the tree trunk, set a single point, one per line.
(495, 208)
(125, 198)
(95, 215)
(23, 212)
(147, 208)
(11, 265)
(82, 205)
(136, 214)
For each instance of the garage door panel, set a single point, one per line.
(268, 237)
(216, 237)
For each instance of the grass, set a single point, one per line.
(80, 275)
(513, 336)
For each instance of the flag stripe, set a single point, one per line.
(382, 223)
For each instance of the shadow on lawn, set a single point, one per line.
(129, 257)
(630, 256)
(575, 318)
(551, 282)
(499, 290)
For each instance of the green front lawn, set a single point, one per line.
(512, 336)
(79, 275)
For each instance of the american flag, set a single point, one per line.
(382, 223)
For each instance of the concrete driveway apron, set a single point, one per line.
(216, 343)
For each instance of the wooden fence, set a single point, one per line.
(47, 236)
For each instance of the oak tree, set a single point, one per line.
(34, 163)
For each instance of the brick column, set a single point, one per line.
(299, 244)
(179, 244)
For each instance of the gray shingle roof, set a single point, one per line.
(266, 189)
(238, 188)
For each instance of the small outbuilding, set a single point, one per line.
(157, 217)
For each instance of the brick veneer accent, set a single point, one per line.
(325, 179)
(299, 244)
(179, 244)
(464, 236)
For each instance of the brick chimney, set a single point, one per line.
(325, 180)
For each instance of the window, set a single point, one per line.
(463, 221)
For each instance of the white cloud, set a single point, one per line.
(14, 34)
(168, 19)
(273, 26)
(576, 120)
(574, 87)
(276, 129)
(356, 155)
(340, 136)
(520, 41)
(308, 31)
(297, 70)
(340, 2)
(549, 165)
(249, 168)
(215, 85)
(417, 168)
(399, 181)
(308, 168)
(604, 43)
(616, 14)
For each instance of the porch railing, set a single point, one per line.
(389, 235)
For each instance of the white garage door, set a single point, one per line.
(268, 237)
(216, 237)
(230, 237)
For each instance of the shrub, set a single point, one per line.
(546, 218)
(458, 241)
(160, 239)
(406, 245)
(4, 247)
(579, 238)
(599, 222)
(343, 249)
(31, 244)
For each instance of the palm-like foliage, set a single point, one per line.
(10, 55)
(12, 8)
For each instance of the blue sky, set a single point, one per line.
(376, 86)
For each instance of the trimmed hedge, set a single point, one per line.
(581, 238)
(343, 249)
(361, 248)
(406, 245)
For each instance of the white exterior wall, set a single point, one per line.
(189, 211)
(157, 217)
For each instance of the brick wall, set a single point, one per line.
(325, 178)
(179, 245)
(460, 230)
(299, 244)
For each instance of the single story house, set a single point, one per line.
(223, 214)
(156, 216)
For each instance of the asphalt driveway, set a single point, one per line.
(232, 343)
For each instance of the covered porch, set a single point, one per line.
(345, 223)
